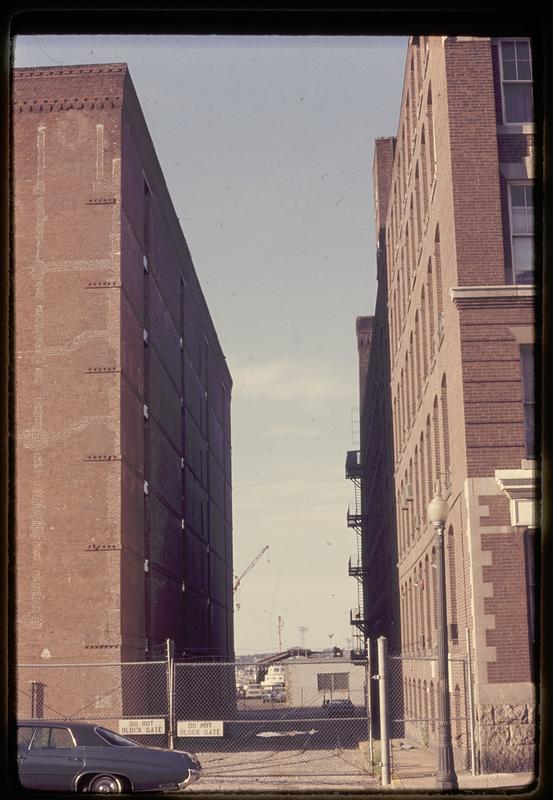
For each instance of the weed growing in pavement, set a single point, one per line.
(424, 736)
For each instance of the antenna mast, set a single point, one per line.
(280, 626)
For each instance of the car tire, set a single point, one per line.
(105, 784)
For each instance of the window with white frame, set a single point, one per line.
(521, 208)
(516, 80)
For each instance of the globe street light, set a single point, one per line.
(446, 777)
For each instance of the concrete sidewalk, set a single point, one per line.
(414, 767)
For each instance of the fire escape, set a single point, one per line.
(354, 473)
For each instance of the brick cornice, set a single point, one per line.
(492, 296)
(42, 106)
(24, 73)
(46, 89)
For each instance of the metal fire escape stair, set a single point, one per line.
(355, 567)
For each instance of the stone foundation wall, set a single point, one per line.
(507, 738)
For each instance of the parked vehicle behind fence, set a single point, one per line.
(274, 694)
(339, 707)
(79, 757)
(254, 691)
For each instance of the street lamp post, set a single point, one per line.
(446, 778)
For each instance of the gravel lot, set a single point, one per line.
(288, 770)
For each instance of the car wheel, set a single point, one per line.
(105, 784)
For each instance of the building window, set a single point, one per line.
(332, 681)
(516, 76)
(528, 398)
(521, 207)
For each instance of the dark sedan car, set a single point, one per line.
(83, 757)
(340, 708)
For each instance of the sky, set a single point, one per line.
(266, 144)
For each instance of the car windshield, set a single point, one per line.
(114, 738)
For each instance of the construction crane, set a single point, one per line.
(250, 566)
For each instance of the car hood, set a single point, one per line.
(145, 754)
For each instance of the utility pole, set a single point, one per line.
(302, 629)
(280, 626)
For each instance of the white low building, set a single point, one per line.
(315, 680)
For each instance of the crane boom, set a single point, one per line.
(250, 566)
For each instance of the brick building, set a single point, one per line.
(371, 469)
(454, 208)
(123, 455)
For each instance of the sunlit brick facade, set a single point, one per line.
(458, 231)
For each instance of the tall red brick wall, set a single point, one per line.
(474, 162)
(67, 344)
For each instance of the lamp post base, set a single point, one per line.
(446, 777)
(446, 783)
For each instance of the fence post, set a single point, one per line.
(468, 678)
(37, 699)
(369, 705)
(171, 691)
(383, 689)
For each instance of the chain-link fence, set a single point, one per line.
(113, 695)
(241, 718)
(256, 720)
(413, 703)
(313, 706)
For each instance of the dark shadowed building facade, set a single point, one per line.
(372, 466)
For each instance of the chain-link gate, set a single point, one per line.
(301, 723)
(244, 726)
(414, 701)
(411, 691)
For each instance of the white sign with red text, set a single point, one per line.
(141, 727)
(200, 727)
